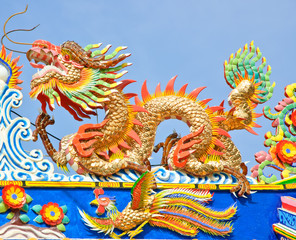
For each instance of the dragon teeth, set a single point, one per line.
(48, 68)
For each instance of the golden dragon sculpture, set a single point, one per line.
(82, 80)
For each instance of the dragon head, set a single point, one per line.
(104, 202)
(75, 78)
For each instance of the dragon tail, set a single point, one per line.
(242, 66)
(168, 213)
(251, 87)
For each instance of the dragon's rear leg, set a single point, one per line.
(167, 146)
(243, 185)
(184, 158)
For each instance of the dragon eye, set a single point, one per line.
(67, 57)
(103, 199)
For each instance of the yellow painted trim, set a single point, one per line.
(128, 185)
(226, 186)
(207, 186)
(108, 184)
(175, 185)
(4, 183)
(267, 187)
(291, 186)
(60, 184)
(45, 184)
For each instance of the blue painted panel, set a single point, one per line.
(253, 220)
(287, 218)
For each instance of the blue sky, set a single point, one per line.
(189, 38)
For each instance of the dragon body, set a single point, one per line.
(81, 81)
(163, 209)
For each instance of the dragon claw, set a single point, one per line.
(234, 194)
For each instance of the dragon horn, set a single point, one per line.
(5, 34)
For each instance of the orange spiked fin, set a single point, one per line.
(158, 90)
(219, 119)
(182, 90)
(218, 143)
(114, 149)
(134, 136)
(124, 83)
(214, 152)
(85, 127)
(223, 132)
(195, 92)
(137, 108)
(130, 95)
(215, 108)
(137, 122)
(170, 86)
(104, 154)
(137, 101)
(256, 125)
(249, 129)
(144, 92)
(206, 101)
(231, 111)
(124, 145)
(222, 105)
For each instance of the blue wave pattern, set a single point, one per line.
(165, 176)
(16, 163)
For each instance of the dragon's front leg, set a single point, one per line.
(95, 164)
(42, 121)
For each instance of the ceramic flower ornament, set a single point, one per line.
(15, 199)
(286, 151)
(14, 196)
(52, 214)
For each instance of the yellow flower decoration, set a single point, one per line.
(14, 196)
(52, 214)
(286, 151)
